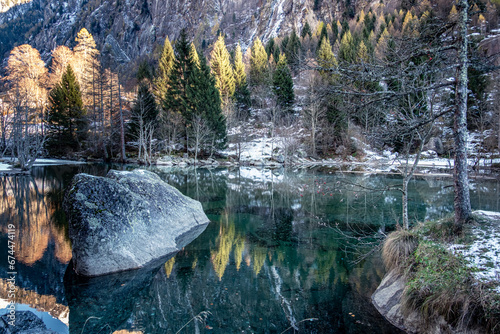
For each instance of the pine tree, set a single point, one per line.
(241, 94)
(144, 110)
(347, 51)
(66, 117)
(206, 122)
(283, 84)
(306, 30)
(176, 99)
(223, 71)
(272, 48)
(165, 65)
(292, 51)
(362, 55)
(381, 47)
(193, 54)
(143, 121)
(326, 58)
(258, 64)
(323, 34)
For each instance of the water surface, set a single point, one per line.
(278, 255)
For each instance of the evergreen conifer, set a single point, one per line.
(66, 116)
(241, 94)
(258, 64)
(206, 103)
(306, 30)
(326, 58)
(222, 70)
(347, 51)
(283, 84)
(165, 65)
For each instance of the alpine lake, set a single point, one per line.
(287, 251)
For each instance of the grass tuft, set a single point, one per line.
(398, 246)
(440, 283)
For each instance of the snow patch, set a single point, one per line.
(484, 252)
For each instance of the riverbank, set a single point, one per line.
(441, 283)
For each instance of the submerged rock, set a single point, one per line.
(127, 220)
(25, 322)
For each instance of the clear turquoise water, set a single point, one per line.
(281, 254)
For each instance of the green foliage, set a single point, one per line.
(242, 93)
(165, 65)
(306, 30)
(145, 72)
(439, 283)
(176, 99)
(326, 58)
(336, 114)
(222, 69)
(17, 30)
(272, 49)
(206, 103)
(477, 84)
(258, 64)
(292, 50)
(323, 34)
(193, 55)
(283, 84)
(144, 113)
(347, 50)
(66, 117)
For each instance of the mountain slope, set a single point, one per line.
(132, 28)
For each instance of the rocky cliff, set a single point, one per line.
(132, 28)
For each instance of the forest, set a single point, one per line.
(387, 77)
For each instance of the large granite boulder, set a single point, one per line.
(127, 220)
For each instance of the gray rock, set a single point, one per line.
(126, 220)
(26, 322)
(387, 300)
(435, 144)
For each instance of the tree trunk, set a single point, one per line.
(122, 129)
(460, 173)
(103, 127)
(406, 224)
(110, 140)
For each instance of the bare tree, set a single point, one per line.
(6, 115)
(200, 133)
(26, 73)
(27, 133)
(314, 110)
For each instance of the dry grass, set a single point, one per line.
(398, 246)
(439, 283)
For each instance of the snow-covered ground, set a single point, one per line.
(483, 253)
(6, 164)
(4, 167)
